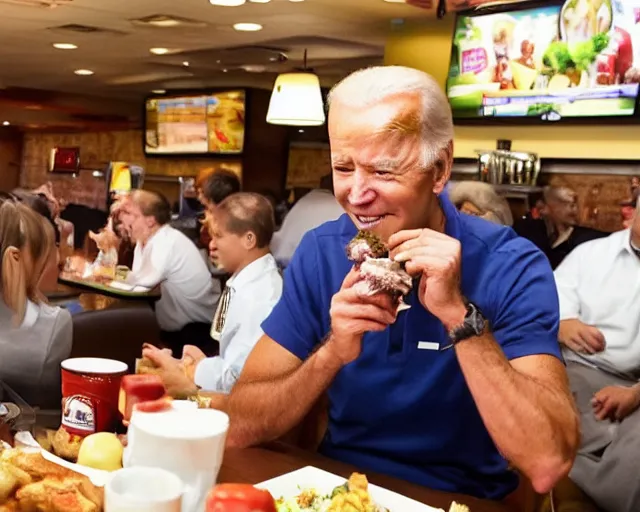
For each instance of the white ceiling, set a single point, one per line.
(341, 35)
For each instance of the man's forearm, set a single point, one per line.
(265, 410)
(533, 425)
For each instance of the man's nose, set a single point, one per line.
(360, 192)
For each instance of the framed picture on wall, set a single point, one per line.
(65, 160)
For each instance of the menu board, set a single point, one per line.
(570, 59)
(196, 124)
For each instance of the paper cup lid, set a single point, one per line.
(94, 365)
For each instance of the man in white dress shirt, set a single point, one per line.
(599, 289)
(166, 257)
(241, 231)
(315, 208)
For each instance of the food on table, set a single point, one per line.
(352, 496)
(101, 451)
(137, 389)
(456, 507)
(29, 482)
(66, 445)
(380, 273)
(239, 498)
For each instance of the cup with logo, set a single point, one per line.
(90, 390)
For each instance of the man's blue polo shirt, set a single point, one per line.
(406, 411)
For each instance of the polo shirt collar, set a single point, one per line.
(452, 225)
(625, 242)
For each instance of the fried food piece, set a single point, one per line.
(358, 481)
(456, 507)
(11, 478)
(35, 465)
(66, 445)
(55, 494)
(10, 506)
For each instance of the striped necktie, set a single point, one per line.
(221, 314)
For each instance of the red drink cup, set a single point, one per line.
(90, 388)
(137, 389)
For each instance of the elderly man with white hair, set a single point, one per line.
(482, 200)
(465, 382)
(599, 289)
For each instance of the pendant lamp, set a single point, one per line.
(296, 99)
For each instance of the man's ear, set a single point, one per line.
(442, 168)
(250, 240)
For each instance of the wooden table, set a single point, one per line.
(254, 465)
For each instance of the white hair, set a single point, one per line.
(372, 85)
(484, 197)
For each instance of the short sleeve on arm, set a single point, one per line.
(526, 317)
(296, 321)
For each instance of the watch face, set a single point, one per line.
(475, 320)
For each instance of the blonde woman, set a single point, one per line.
(34, 337)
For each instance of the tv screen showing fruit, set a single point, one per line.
(195, 124)
(551, 60)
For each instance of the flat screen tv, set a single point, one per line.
(551, 61)
(195, 124)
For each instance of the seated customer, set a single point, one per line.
(166, 257)
(399, 403)
(240, 239)
(481, 200)
(315, 208)
(600, 314)
(34, 337)
(557, 233)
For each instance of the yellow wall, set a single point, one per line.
(427, 46)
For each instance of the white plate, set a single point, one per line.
(290, 485)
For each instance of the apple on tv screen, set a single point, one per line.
(196, 124)
(554, 60)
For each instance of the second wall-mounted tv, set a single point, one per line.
(552, 61)
(196, 123)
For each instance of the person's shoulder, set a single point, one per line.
(499, 246)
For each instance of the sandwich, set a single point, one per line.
(379, 272)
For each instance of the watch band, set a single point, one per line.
(474, 324)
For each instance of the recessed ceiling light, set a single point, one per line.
(303, 0)
(185, 63)
(159, 51)
(227, 3)
(225, 70)
(65, 46)
(247, 27)
(6, 123)
(158, 91)
(83, 72)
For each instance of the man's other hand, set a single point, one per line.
(615, 402)
(580, 337)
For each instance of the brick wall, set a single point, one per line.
(96, 150)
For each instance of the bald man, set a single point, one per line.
(557, 233)
(166, 257)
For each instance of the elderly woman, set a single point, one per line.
(480, 199)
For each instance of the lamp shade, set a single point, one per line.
(296, 101)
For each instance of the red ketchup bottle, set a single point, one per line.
(136, 389)
(239, 498)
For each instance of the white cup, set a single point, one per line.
(143, 490)
(187, 442)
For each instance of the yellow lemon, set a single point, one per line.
(101, 451)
